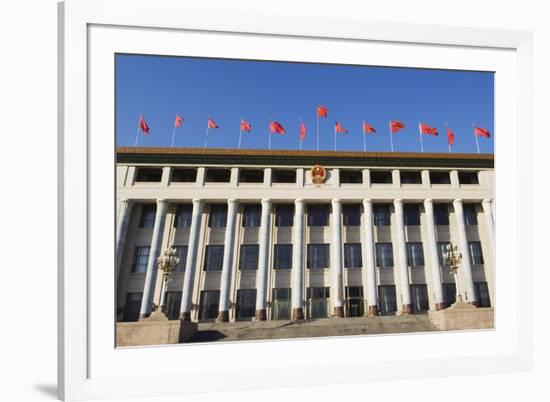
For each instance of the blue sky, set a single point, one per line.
(161, 87)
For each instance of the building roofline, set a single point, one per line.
(226, 156)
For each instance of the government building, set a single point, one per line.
(301, 235)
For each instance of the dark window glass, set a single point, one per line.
(468, 178)
(282, 256)
(147, 218)
(384, 255)
(380, 177)
(351, 176)
(482, 294)
(141, 258)
(449, 294)
(251, 176)
(410, 177)
(351, 215)
(252, 216)
(419, 295)
(352, 255)
(318, 293)
(283, 176)
(381, 214)
(213, 260)
(248, 259)
(317, 215)
(476, 254)
(387, 301)
(441, 214)
(281, 304)
(284, 215)
(415, 255)
(354, 301)
(317, 256)
(184, 213)
(438, 177)
(172, 304)
(181, 252)
(318, 302)
(149, 175)
(209, 305)
(184, 175)
(470, 214)
(217, 176)
(132, 306)
(441, 250)
(218, 216)
(246, 303)
(412, 214)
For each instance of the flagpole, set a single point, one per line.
(300, 134)
(335, 137)
(317, 113)
(475, 136)
(240, 132)
(207, 127)
(173, 135)
(139, 126)
(391, 136)
(364, 141)
(420, 133)
(446, 129)
(269, 134)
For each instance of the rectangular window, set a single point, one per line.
(252, 216)
(141, 258)
(470, 214)
(317, 256)
(283, 176)
(351, 215)
(449, 294)
(209, 305)
(248, 258)
(419, 294)
(381, 214)
(384, 255)
(411, 214)
(172, 304)
(217, 176)
(441, 214)
(439, 177)
(246, 303)
(281, 304)
(149, 175)
(284, 215)
(441, 250)
(318, 302)
(352, 255)
(213, 260)
(476, 254)
(282, 256)
(354, 301)
(410, 177)
(351, 176)
(317, 215)
(251, 176)
(381, 177)
(184, 175)
(468, 178)
(132, 306)
(181, 253)
(415, 255)
(184, 213)
(387, 301)
(218, 216)
(482, 294)
(147, 217)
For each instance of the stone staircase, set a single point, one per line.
(255, 330)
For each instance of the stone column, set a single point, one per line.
(337, 291)
(191, 261)
(154, 251)
(489, 221)
(431, 247)
(123, 219)
(402, 257)
(263, 261)
(466, 266)
(298, 261)
(369, 278)
(225, 282)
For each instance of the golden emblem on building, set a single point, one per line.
(318, 174)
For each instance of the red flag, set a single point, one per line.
(339, 128)
(450, 136)
(178, 122)
(246, 126)
(303, 130)
(482, 132)
(426, 129)
(367, 128)
(396, 126)
(276, 127)
(143, 125)
(212, 123)
(322, 111)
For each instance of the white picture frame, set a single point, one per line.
(90, 367)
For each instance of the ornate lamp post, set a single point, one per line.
(452, 259)
(167, 263)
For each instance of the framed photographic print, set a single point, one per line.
(300, 204)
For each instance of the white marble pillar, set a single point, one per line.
(433, 258)
(229, 240)
(123, 219)
(369, 278)
(336, 264)
(466, 265)
(489, 221)
(298, 261)
(191, 261)
(401, 250)
(154, 251)
(263, 261)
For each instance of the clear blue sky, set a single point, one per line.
(161, 87)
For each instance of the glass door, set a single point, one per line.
(318, 302)
(209, 305)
